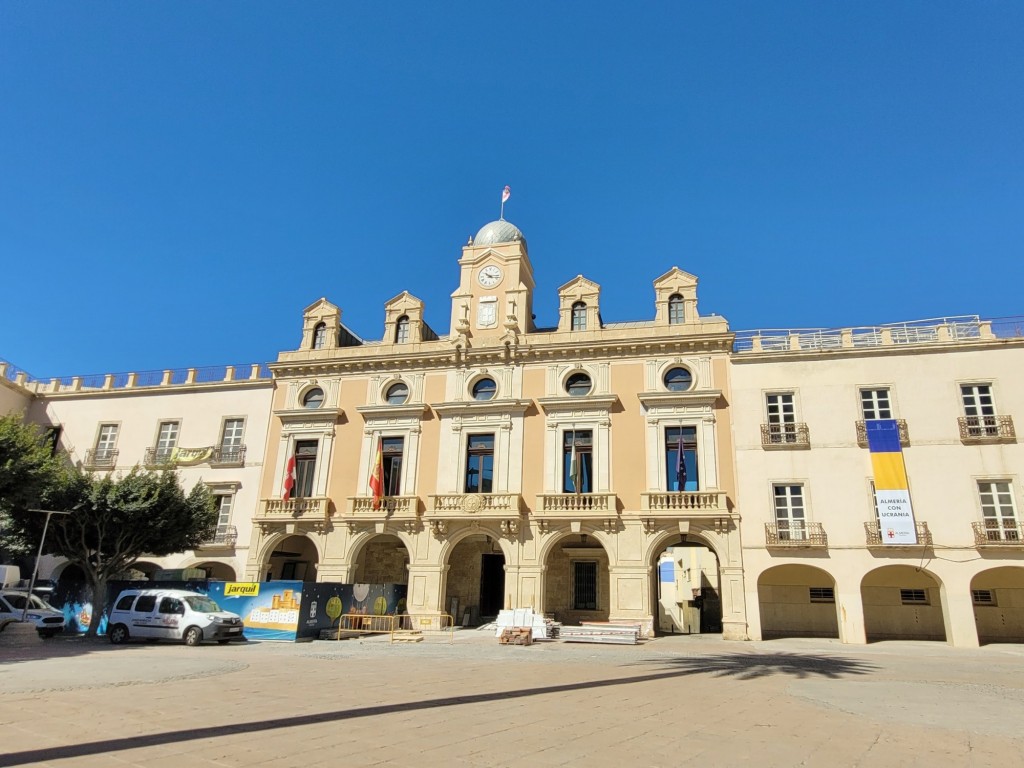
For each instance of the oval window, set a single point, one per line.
(397, 394)
(678, 380)
(485, 389)
(314, 398)
(578, 385)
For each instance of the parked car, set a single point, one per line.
(171, 614)
(48, 620)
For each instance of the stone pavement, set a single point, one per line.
(670, 702)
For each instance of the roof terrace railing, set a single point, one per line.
(135, 380)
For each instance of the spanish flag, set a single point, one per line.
(377, 476)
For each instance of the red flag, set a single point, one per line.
(377, 477)
(506, 193)
(289, 478)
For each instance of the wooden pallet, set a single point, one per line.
(516, 636)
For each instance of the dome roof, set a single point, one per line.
(499, 231)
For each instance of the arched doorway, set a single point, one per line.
(293, 558)
(902, 602)
(71, 573)
(383, 559)
(475, 582)
(142, 571)
(797, 600)
(687, 589)
(577, 584)
(217, 571)
(998, 596)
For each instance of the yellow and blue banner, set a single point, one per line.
(892, 494)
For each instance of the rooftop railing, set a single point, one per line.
(137, 379)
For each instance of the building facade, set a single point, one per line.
(667, 471)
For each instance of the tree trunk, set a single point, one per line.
(99, 605)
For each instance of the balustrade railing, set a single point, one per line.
(576, 502)
(979, 429)
(995, 532)
(794, 435)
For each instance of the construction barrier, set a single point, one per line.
(416, 627)
(362, 624)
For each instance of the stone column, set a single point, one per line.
(631, 595)
(529, 586)
(734, 608)
(958, 615)
(426, 588)
(850, 610)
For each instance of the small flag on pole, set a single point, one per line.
(575, 466)
(506, 193)
(680, 463)
(377, 477)
(289, 478)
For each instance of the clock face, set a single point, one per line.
(489, 276)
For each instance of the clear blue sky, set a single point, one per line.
(179, 180)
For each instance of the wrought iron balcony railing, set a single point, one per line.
(794, 435)
(233, 455)
(226, 537)
(986, 429)
(158, 457)
(794, 533)
(862, 433)
(875, 537)
(101, 458)
(998, 532)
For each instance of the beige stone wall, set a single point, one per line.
(383, 561)
(13, 398)
(560, 581)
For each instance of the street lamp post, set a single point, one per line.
(39, 554)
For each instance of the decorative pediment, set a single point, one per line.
(321, 322)
(584, 295)
(405, 310)
(675, 298)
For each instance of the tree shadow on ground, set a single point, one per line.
(750, 666)
(66, 646)
(743, 666)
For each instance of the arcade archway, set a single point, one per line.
(687, 588)
(382, 559)
(475, 582)
(293, 558)
(797, 600)
(998, 596)
(577, 582)
(902, 602)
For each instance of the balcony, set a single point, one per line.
(685, 504)
(795, 534)
(576, 504)
(862, 433)
(998, 533)
(774, 436)
(228, 456)
(475, 504)
(225, 538)
(390, 507)
(986, 429)
(101, 458)
(158, 457)
(873, 532)
(294, 515)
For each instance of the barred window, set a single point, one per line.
(983, 596)
(914, 596)
(584, 597)
(822, 594)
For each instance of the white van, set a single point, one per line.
(171, 614)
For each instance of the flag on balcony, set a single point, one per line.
(892, 494)
(289, 478)
(377, 476)
(680, 463)
(575, 467)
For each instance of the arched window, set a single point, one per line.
(402, 330)
(320, 336)
(678, 380)
(397, 393)
(485, 389)
(578, 385)
(579, 316)
(675, 309)
(314, 398)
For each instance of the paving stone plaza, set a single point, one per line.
(672, 701)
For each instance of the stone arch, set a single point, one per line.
(146, 567)
(216, 570)
(686, 595)
(592, 531)
(998, 597)
(797, 600)
(380, 558)
(577, 575)
(303, 556)
(902, 602)
(474, 575)
(357, 543)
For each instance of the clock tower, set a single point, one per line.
(495, 293)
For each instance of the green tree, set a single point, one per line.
(28, 471)
(115, 521)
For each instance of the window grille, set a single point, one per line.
(584, 585)
(822, 594)
(983, 596)
(914, 596)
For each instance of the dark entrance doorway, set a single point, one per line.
(492, 584)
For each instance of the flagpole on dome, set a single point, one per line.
(505, 195)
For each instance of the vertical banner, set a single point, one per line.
(892, 496)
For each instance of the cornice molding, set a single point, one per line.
(481, 407)
(707, 397)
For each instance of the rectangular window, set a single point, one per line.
(875, 404)
(479, 463)
(577, 461)
(579, 316)
(998, 510)
(681, 474)
(166, 440)
(789, 512)
(231, 436)
(980, 410)
(106, 441)
(224, 503)
(822, 594)
(305, 468)
(584, 590)
(781, 417)
(983, 597)
(392, 449)
(914, 596)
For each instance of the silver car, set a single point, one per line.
(48, 620)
